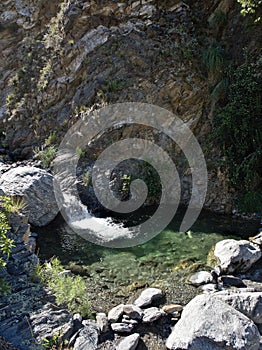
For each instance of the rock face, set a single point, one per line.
(249, 304)
(236, 256)
(35, 186)
(210, 324)
(62, 58)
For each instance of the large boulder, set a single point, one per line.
(249, 303)
(208, 323)
(35, 186)
(236, 256)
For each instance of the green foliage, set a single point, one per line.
(251, 202)
(12, 205)
(80, 153)
(6, 243)
(69, 290)
(251, 7)
(114, 86)
(87, 178)
(213, 59)
(46, 155)
(52, 343)
(238, 128)
(51, 139)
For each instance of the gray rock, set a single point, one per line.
(87, 337)
(148, 296)
(35, 186)
(152, 314)
(207, 323)
(236, 256)
(115, 313)
(133, 311)
(102, 321)
(249, 304)
(232, 281)
(201, 277)
(129, 343)
(127, 319)
(122, 327)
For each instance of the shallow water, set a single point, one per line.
(57, 239)
(116, 275)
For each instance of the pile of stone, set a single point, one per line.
(229, 313)
(123, 319)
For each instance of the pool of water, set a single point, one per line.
(58, 239)
(165, 261)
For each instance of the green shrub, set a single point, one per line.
(238, 126)
(6, 243)
(46, 155)
(251, 7)
(69, 291)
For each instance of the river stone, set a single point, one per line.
(122, 327)
(201, 277)
(208, 323)
(152, 314)
(133, 311)
(249, 304)
(236, 256)
(35, 186)
(129, 343)
(115, 313)
(88, 337)
(148, 296)
(171, 308)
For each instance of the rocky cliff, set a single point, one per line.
(59, 59)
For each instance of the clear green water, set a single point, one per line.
(113, 275)
(167, 249)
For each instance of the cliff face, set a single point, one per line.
(61, 58)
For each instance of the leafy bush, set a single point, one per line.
(6, 243)
(69, 290)
(46, 155)
(251, 7)
(238, 128)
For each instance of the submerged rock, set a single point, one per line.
(236, 256)
(207, 323)
(35, 186)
